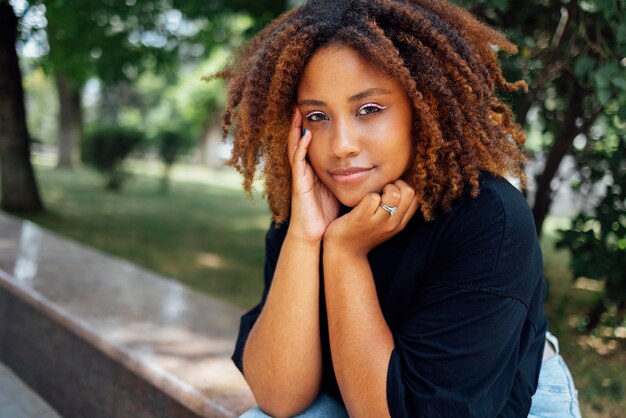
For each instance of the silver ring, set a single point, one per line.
(391, 209)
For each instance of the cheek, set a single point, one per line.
(393, 137)
(400, 145)
(315, 154)
(403, 130)
(405, 148)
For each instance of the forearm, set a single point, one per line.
(282, 359)
(361, 342)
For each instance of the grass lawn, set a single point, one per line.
(208, 235)
(205, 232)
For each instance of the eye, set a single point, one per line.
(316, 116)
(369, 108)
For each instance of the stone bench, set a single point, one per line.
(97, 336)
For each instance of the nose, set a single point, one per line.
(345, 141)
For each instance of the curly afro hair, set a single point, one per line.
(443, 58)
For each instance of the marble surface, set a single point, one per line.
(179, 339)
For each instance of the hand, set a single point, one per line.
(313, 206)
(368, 224)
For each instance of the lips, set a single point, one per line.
(349, 175)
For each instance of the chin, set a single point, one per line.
(351, 203)
(353, 199)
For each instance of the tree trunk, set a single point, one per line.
(165, 178)
(562, 143)
(70, 121)
(19, 188)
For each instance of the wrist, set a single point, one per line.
(335, 249)
(302, 237)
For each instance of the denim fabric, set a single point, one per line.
(323, 407)
(556, 395)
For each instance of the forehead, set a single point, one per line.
(338, 68)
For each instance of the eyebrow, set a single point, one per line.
(374, 91)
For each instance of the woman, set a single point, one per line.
(403, 274)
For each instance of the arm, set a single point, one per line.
(360, 340)
(282, 359)
(459, 350)
(471, 344)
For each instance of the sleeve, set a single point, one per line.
(456, 352)
(273, 243)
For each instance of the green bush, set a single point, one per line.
(171, 145)
(106, 148)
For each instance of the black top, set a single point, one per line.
(463, 298)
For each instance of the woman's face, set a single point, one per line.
(361, 123)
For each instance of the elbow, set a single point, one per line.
(282, 406)
(283, 394)
(283, 399)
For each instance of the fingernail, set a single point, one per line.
(304, 132)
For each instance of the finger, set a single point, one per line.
(368, 205)
(299, 159)
(391, 195)
(295, 132)
(391, 198)
(408, 193)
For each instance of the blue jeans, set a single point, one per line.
(556, 396)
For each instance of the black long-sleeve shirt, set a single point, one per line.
(462, 296)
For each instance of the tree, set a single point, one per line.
(596, 238)
(113, 41)
(116, 41)
(261, 11)
(19, 189)
(570, 56)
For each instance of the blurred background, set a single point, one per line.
(109, 135)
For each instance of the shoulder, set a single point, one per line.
(510, 205)
(489, 242)
(499, 207)
(511, 199)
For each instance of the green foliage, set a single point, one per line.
(118, 40)
(562, 43)
(597, 240)
(105, 149)
(261, 11)
(172, 144)
(188, 103)
(42, 104)
(113, 40)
